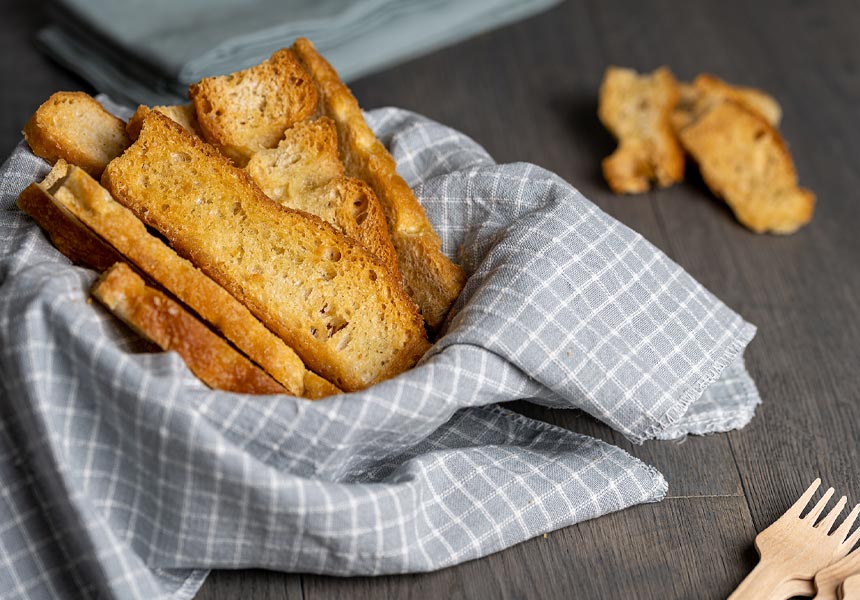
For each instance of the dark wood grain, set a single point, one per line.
(253, 585)
(528, 92)
(564, 564)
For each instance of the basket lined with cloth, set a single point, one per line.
(123, 476)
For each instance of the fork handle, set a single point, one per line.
(761, 583)
(794, 587)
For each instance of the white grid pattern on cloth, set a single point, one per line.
(123, 476)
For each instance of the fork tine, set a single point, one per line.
(819, 508)
(804, 499)
(845, 527)
(852, 541)
(827, 522)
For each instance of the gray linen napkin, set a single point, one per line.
(124, 477)
(150, 52)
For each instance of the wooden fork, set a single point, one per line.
(795, 548)
(828, 580)
(850, 588)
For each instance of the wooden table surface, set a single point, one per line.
(528, 93)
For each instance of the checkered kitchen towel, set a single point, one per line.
(124, 477)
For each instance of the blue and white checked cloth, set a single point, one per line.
(124, 477)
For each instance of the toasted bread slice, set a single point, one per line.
(305, 173)
(745, 161)
(75, 127)
(706, 90)
(167, 324)
(76, 193)
(249, 110)
(329, 298)
(68, 234)
(637, 110)
(183, 114)
(430, 277)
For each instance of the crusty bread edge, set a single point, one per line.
(126, 295)
(430, 277)
(71, 237)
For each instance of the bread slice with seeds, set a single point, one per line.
(167, 324)
(331, 300)
(430, 277)
(249, 110)
(305, 173)
(75, 127)
(637, 109)
(744, 160)
(77, 194)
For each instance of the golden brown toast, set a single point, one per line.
(78, 194)
(305, 173)
(249, 110)
(745, 161)
(167, 324)
(75, 127)
(330, 299)
(430, 277)
(636, 109)
(183, 114)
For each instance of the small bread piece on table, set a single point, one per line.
(430, 277)
(75, 127)
(745, 162)
(68, 234)
(331, 300)
(305, 173)
(183, 114)
(77, 194)
(248, 111)
(706, 90)
(167, 324)
(637, 109)
(750, 98)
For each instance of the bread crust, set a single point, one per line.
(239, 237)
(430, 277)
(67, 233)
(745, 161)
(74, 127)
(167, 324)
(317, 388)
(637, 110)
